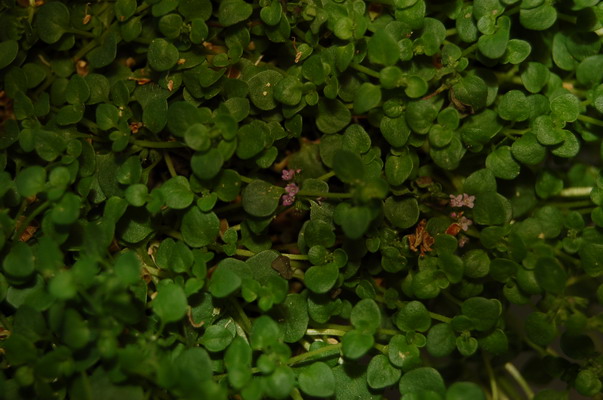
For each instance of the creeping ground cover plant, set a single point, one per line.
(270, 199)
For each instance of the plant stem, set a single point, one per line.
(439, 317)
(491, 377)
(326, 176)
(326, 195)
(469, 50)
(240, 317)
(590, 120)
(244, 253)
(169, 164)
(327, 332)
(576, 192)
(519, 379)
(365, 70)
(30, 218)
(158, 145)
(311, 354)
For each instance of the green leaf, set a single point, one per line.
(177, 193)
(514, 106)
(528, 150)
(517, 51)
(441, 340)
(354, 220)
(252, 139)
(231, 12)
(198, 228)
(535, 76)
(216, 338)
(565, 107)
(67, 210)
(465, 391)
(398, 168)
(8, 52)
(348, 166)
(261, 89)
(317, 380)
(170, 303)
(414, 316)
(367, 97)
(502, 164)
(540, 328)
(402, 354)
(538, 18)
(422, 379)
(206, 165)
(52, 21)
(494, 45)
(19, 262)
(482, 312)
(355, 344)
(104, 54)
(293, 317)
(333, 116)
(31, 181)
(471, 91)
(321, 279)
(395, 130)
(162, 55)
(402, 213)
(491, 209)
(366, 316)
(225, 280)
(265, 333)
(383, 48)
(260, 198)
(174, 255)
(380, 373)
(550, 275)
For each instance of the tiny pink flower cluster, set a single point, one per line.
(291, 188)
(289, 197)
(463, 221)
(289, 174)
(462, 200)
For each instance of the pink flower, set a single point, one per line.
(462, 200)
(287, 200)
(289, 174)
(465, 223)
(291, 189)
(468, 200)
(456, 201)
(463, 241)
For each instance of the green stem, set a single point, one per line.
(440, 317)
(170, 164)
(244, 253)
(246, 179)
(85, 49)
(326, 195)
(491, 377)
(451, 32)
(296, 395)
(571, 204)
(325, 332)
(80, 32)
(299, 257)
(469, 50)
(365, 70)
(572, 19)
(30, 218)
(326, 176)
(240, 317)
(158, 145)
(590, 120)
(519, 379)
(576, 192)
(381, 347)
(313, 354)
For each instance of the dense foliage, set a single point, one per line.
(288, 199)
